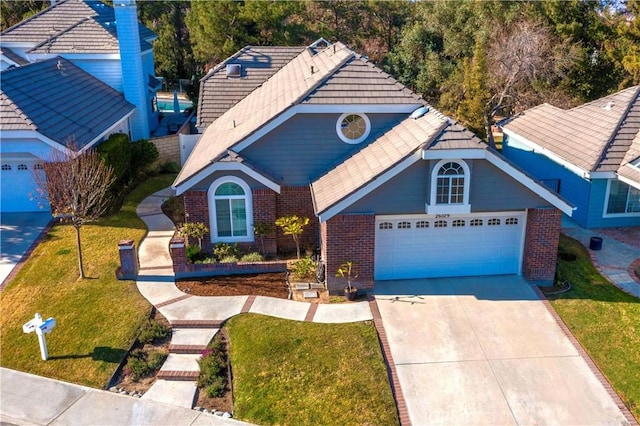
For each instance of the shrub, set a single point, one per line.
(205, 261)
(153, 331)
(155, 360)
(141, 364)
(252, 257)
(143, 154)
(304, 268)
(197, 230)
(169, 167)
(229, 259)
(116, 151)
(195, 255)
(294, 226)
(213, 369)
(222, 250)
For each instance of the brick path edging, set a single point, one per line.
(396, 389)
(587, 358)
(26, 255)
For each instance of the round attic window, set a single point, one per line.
(353, 128)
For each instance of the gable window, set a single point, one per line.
(623, 198)
(353, 128)
(231, 211)
(450, 188)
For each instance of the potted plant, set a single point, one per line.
(347, 271)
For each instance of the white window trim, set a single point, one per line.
(211, 197)
(464, 207)
(364, 136)
(606, 215)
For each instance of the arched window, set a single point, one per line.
(231, 213)
(450, 188)
(353, 128)
(450, 184)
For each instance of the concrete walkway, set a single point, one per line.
(196, 319)
(613, 260)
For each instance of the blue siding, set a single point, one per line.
(491, 190)
(597, 208)
(107, 70)
(307, 146)
(573, 188)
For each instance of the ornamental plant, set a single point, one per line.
(294, 226)
(196, 230)
(348, 272)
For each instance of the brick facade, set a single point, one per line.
(541, 244)
(296, 200)
(196, 209)
(349, 237)
(128, 269)
(264, 211)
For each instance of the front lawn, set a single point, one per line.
(604, 319)
(300, 373)
(97, 317)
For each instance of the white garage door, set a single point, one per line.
(420, 246)
(18, 190)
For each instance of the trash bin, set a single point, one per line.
(595, 243)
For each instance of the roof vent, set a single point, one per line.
(608, 106)
(419, 112)
(234, 70)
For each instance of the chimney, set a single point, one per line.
(134, 81)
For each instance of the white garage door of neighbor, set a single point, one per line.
(420, 246)
(18, 190)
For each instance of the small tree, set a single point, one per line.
(294, 226)
(347, 271)
(194, 230)
(76, 186)
(262, 229)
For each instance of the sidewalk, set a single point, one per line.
(613, 260)
(196, 319)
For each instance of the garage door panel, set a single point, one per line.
(449, 251)
(18, 190)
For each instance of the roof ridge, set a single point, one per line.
(612, 138)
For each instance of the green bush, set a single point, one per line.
(206, 260)
(252, 257)
(305, 268)
(222, 250)
(229, 259)
(143, 154)
(116, 152)
(153, 331)
(141, 364)
(169, 167)
(155, 360)
(195, 255)
(213, 369)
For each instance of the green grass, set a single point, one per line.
(605, 320)
(97, 317)
(300, 373)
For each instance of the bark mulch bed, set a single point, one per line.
(271, 284)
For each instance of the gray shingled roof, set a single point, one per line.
(218, 92)
(284, 89)
(594, 136)
(72, 26)
(60, 101)
(361, 82)
(376, 158)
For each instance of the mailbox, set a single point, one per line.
(30, 327)
(48, 325)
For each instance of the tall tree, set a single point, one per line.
(15, 11)
(76, 186)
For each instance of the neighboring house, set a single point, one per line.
(108, 43)
(387, 181)
(589, 154)
(43, 107)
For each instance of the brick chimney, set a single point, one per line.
(134, 81)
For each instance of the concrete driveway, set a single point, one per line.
(485, 350)
(19, 231)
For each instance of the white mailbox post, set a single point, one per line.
(40, 327)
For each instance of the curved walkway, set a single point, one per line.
(196, 319)
(614, 260)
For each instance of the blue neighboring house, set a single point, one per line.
(589, 154)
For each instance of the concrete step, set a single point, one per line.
(187, 349)
(178, 375)
(196, 323)
(181, 362)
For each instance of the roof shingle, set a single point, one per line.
(59, 100)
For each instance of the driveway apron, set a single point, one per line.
(19, 232)
(485, 350)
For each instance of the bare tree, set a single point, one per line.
(519, 56)
(76, 186)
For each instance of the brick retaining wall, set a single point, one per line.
(541, 245)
